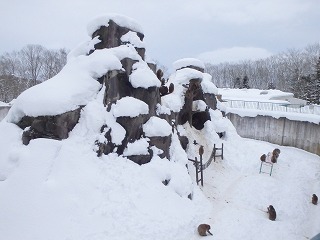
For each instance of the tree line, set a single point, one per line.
(295, 70)
(32, 64)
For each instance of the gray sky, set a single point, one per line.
(220, 30)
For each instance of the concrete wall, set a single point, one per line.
(3, 112)
(282, 131)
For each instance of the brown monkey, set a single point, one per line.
(272, 213)
(163, 90)
(159, 74)
(263, 158)
(314, 199)
(171, 87)
(276, 150)
(201, 150)
(203, 229)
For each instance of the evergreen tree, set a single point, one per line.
(271, 85)
(245, 82)
(237, 83)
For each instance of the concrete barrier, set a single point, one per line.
(282, 131)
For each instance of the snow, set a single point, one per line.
(3, 104)
(180, 79)
(138, 147)
(187, 62)
(207, 84)
(265, 97)
(83, 48)
(142, 76)
(156, 127)
(129, 107)
(121, 20)
(132, 37)
(313, 118)
(74, 86)
(255, 95)
(62, 190)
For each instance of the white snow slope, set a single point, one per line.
(58, 190)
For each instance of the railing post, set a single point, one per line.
(197, 172)
(201, 169)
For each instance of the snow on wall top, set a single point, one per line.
(121, 20)
(74, 86)
(313, 118)
(157, 127)
(185, 62)
(129, 107)
(254, 94)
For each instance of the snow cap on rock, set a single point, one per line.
(120, 20)
(187, 62)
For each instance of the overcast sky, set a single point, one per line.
(218, 30)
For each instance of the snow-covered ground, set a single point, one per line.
(60, 190)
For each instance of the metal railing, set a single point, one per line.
(270, 106)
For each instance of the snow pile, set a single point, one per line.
(207, 84)
(139, 147)
(157, 127)
(187, 62)
(132, 38)
(74, 86)
(180, 79)
(129, 107)
(120, 20)
(142, 76)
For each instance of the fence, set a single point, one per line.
(270, 106)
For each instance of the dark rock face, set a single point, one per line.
(53, 127)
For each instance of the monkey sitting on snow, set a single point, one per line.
(272, 213)
(314, 199)
(203, 229)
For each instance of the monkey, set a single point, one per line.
(314, 199)
(263, 158)
(272, 213)
(274, 159)
(276, 150)
(203, 229)
(163, 90)
(201, 150)
(171, 87)
(159, 74)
